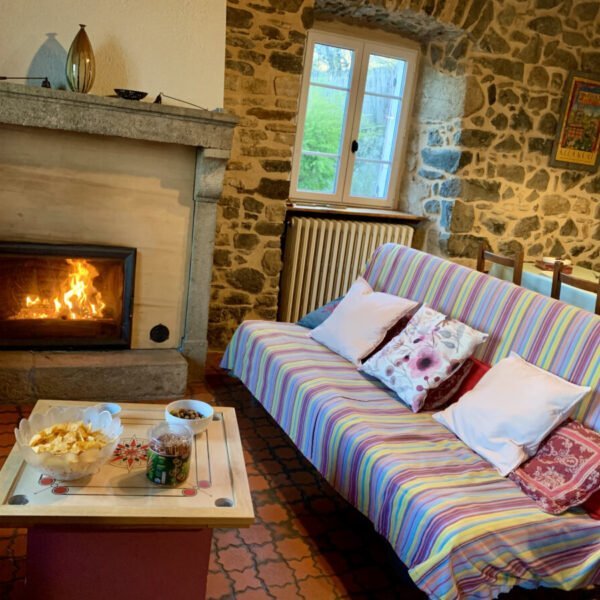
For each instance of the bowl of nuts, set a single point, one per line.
(194, 414)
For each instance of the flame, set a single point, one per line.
(77, 297)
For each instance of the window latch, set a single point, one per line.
(354, 146)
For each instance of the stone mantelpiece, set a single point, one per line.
(82, 113)
(209, 132)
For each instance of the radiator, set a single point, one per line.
(324, 256)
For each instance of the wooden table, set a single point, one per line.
(540, 281)
(116, 535)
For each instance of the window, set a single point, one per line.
(352, 122)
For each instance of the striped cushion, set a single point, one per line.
(461, 528)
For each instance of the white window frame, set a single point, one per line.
(362, 48)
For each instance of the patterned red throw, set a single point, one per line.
(565, 471)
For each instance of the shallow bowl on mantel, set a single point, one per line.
(130, 94)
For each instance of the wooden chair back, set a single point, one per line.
(558, 278)
(506, 261)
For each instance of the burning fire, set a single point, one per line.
(77, 298)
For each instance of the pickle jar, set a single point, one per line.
(169, 454)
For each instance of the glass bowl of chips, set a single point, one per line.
(68, 442)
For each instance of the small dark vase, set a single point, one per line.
(81, 64)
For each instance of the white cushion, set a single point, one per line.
(510, 411)
(360, 321)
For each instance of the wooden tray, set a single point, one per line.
(216, 492)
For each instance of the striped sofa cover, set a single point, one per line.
(462, 530)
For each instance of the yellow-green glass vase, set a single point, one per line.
(81, 64)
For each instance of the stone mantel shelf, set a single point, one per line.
(70, 111)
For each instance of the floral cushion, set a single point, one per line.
(316, 317)
(565, 472)
(424, 355)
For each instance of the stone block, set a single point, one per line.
(474, 138)
(447, 160)
(509, 144)
(463, 217)
(246, 279)
(276, 166)
(543, 146)
(442, 96)
(269, 228)
(237, 17)
(510, 248)
(569, 229)
(287, 86)
(16, 372)
(465, 246)
(122, 375)
(513, 173)
(555, 204)
(526, 226)
(245, 241)
(521, 121)
(271, 262)
(286, 62)
(276, 189)
(539, 181)
(504, 67)
(547, 25)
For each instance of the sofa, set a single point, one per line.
(462, 530)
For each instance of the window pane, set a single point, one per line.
(378, 127)
(324, 121)
(318, 174)
(370, 180)
(332, 66)
(386, 76)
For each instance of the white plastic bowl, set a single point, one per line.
(70, 465)
(196, 425)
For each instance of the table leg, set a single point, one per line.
(116, 564)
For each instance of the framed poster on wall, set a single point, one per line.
(577, 143)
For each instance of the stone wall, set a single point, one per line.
(265, 48)
(491, 82)
(485, 174)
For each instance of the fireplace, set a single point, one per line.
(65, 296)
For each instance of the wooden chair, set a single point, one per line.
(516, 263)
(558, 278)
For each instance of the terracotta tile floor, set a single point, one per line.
(306, 543)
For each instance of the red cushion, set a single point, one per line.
(394, 331)
(447, 391)
(478, 370)
(465, 378)
(565, 472)
(592, 505)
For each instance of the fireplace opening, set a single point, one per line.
(65, 296)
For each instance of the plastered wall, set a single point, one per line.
(151, 45)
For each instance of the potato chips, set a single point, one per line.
(61, 438)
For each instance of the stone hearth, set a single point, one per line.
(109, 129)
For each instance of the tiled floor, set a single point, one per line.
(307, 543)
